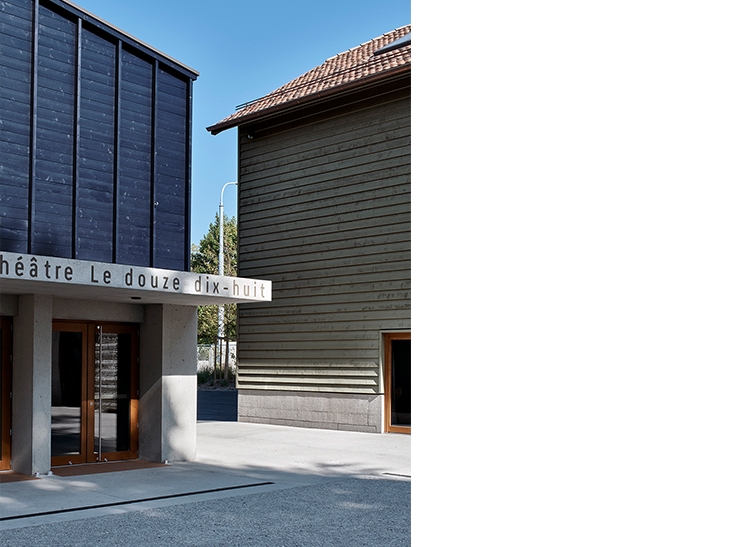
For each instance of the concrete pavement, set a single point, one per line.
(252, 484)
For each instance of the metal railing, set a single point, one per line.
(218, 359)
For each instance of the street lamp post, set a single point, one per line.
(220, 259)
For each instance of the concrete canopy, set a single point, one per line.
(78, 279)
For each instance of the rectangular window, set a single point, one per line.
(397, 375)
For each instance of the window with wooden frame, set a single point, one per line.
(397, 381)
(6, 338)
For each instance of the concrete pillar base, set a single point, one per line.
(32, 346)
(168, 383)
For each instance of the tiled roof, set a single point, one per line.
(357, 65)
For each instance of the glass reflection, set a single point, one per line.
(66, 393)
(401, 381)
(112, 392)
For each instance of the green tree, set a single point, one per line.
(204, 260)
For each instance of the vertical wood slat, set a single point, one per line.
(77, 133)
(117, 150)
(153, 165)
(188, 171)
(33, 128)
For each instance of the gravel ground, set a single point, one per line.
(350, 512)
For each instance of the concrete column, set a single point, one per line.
(168, 383)
(32, 344)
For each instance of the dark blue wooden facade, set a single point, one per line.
(95, 140)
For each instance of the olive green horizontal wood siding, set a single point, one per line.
(325, 214)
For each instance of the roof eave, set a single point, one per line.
(294, 104)
(82, 13)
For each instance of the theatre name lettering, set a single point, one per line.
(81, 272)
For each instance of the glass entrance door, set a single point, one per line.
(115, 392)
(68, 380)
(94, 394)
(6, 339)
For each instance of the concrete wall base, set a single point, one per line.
(342, 411)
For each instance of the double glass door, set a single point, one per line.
(94, 398)
(5, 403)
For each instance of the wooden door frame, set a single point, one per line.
(81, 457)
(7, 375)
(87, 449)
(388, 337)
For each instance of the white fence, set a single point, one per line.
(209, 355)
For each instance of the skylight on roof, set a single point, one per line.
(399, 43)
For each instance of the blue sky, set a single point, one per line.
(243, 50)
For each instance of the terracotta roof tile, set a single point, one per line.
(358, 63)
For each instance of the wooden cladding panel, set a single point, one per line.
(53, 184)
(135, 165)
(171, 247)
(95, 192)
(94, 129)
(15, 117)
(325, 214)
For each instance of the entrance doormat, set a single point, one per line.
(14, 477)
(106, 467)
